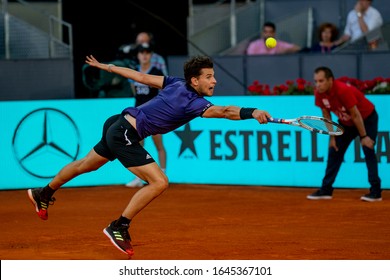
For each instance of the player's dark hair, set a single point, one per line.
(326, 70)
(193, 67)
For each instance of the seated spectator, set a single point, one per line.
(327, 35)
(362, 19)
(258, 46)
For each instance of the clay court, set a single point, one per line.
(200, 222)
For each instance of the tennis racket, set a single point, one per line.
(312, 123)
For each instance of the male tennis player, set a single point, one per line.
(179, 101)
(358, 116)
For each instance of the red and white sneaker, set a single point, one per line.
(40, 203)
(120, 237)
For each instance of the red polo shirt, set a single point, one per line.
(342, 97)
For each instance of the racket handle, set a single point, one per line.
(275, 120)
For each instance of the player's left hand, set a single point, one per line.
(92, 61)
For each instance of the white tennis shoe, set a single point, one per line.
(136, 183)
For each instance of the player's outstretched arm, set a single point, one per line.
(236, 113)
(151, 80)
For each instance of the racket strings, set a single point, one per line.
(322, 125)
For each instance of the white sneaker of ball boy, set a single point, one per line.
(136, 183)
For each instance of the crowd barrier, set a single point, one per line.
(235, 73)
(40, 137)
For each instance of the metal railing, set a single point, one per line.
(219, 27)
(235, 26)
(28, 32)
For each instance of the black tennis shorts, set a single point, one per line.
(120, 141)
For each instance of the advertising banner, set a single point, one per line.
(38, 138)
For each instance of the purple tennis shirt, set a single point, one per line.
(175, 105)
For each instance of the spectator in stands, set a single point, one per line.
(258, 46)
(327, 35)
(362, 19)
(157, 60)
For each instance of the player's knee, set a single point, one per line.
(162, 183)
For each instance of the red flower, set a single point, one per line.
(302, 87)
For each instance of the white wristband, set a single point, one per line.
(109, 67)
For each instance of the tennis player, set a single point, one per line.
(359, 118)
(178, 102)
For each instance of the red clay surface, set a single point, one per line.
(199, 222)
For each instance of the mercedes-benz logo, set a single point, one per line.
(44, 141)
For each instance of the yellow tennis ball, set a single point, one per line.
(270, 43)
